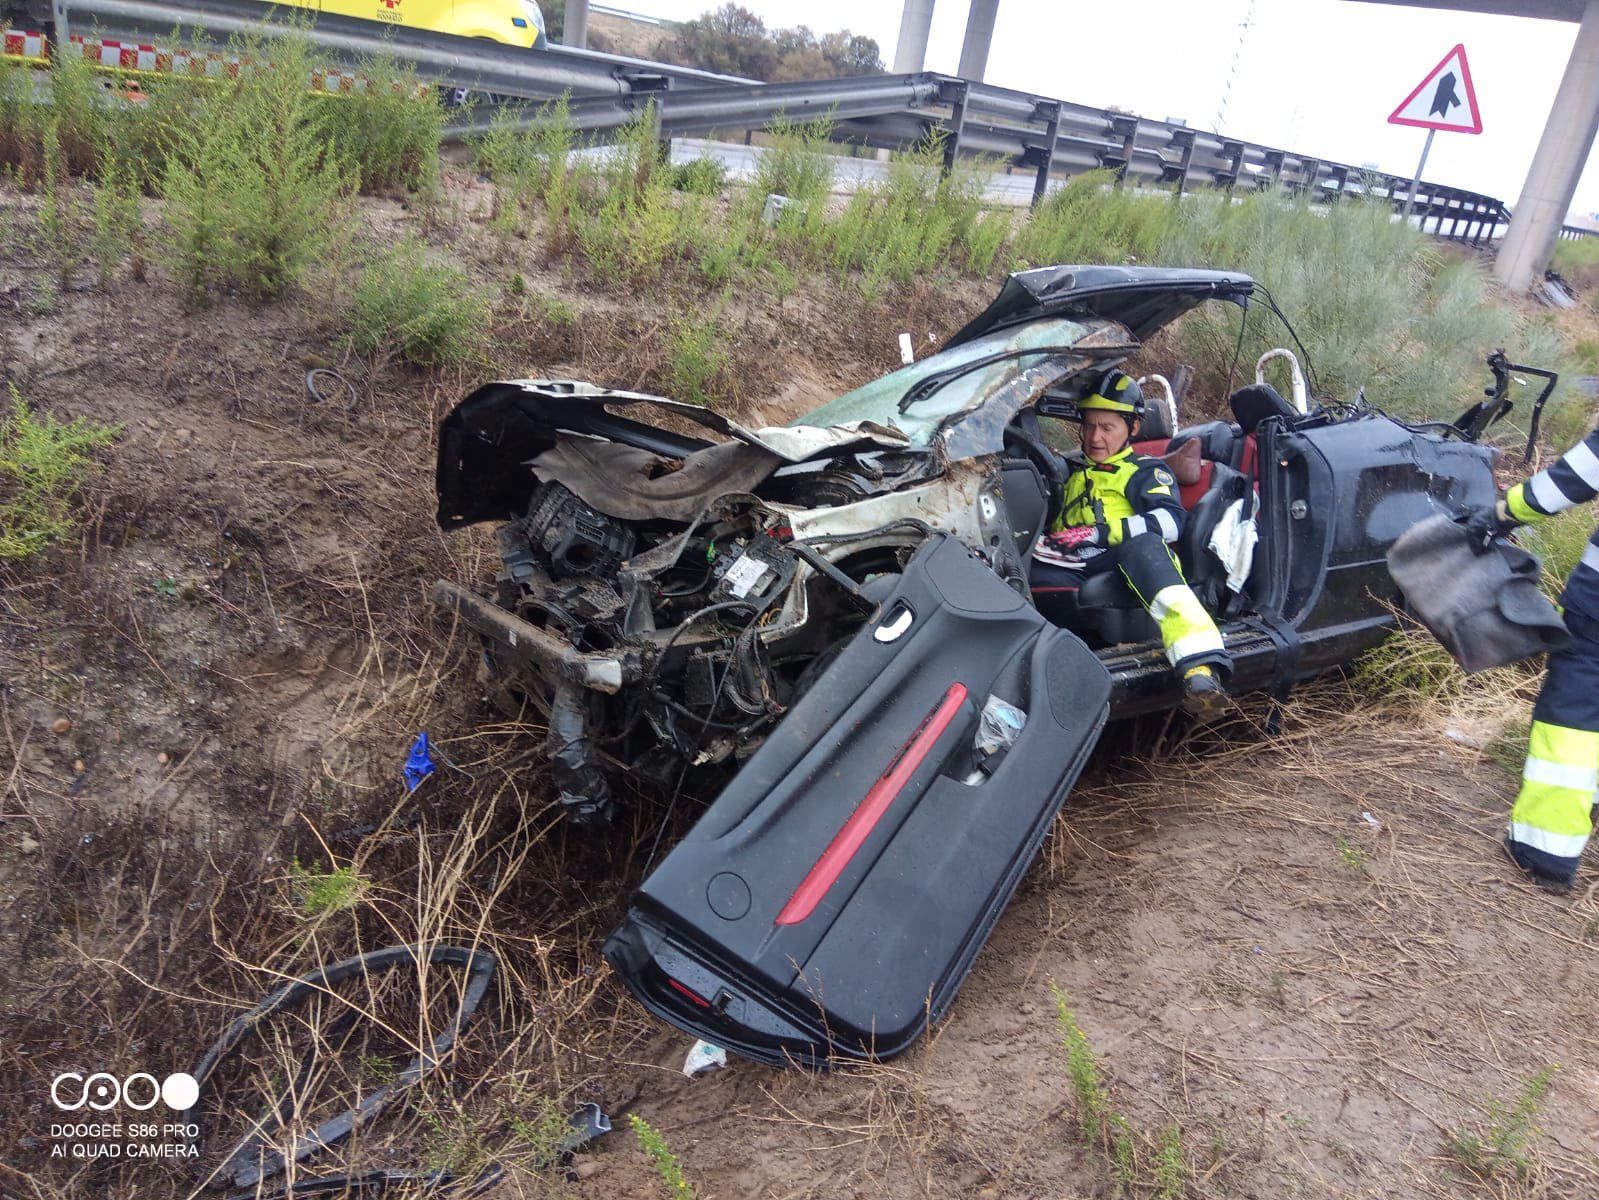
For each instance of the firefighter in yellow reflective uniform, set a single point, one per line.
(1553, 813)
(1121, 510)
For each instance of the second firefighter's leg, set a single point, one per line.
(1552, 818)
(1186, 629)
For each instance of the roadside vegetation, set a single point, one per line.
(256, 178)
(1504, 1145)
(44, 463)
(732, 40)
(1140, 1163)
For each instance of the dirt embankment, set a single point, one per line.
(1302, 951)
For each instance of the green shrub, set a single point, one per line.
(319, 892)
(1504, 1145)
(795, 163)
(550, 142)
(1409, 663)
(1090, 221)
(67, 126)
(118, 226)
(911, 223)
(702, 176)
(697, 360)
(1082, 1066)
(543, 1128)
(527, 158)
(256, 194)
(21, 121)
(425, 311)
(1559, 541)
(1376, 303)
(43, 463)
(78, 112)
(662, 1158)
(59, 240)
(504, 155)
(389, 132)
(633, 225)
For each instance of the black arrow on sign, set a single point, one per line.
(1444, 98)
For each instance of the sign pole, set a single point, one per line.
(1410, 198)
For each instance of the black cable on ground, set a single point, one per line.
(248, 1162)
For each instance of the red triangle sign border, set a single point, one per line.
(1471, 97)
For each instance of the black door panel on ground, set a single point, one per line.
(833, 897)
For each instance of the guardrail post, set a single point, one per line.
(1050, 115)
(1309, 168)
(60, 37)
(1274, 167)
(1337, 178)
(1127, 127)
(1235, 152)
(956, 125)
(1183, 139)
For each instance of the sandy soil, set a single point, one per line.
(1303, 951)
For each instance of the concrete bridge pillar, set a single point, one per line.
(910, 55)
(979, 34)
(575, 32)
(1556, 165)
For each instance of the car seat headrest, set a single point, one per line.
(1156, 423)
(1253, 404)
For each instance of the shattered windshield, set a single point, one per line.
(879, 400)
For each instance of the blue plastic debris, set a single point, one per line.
(419, 764)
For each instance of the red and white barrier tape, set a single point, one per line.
(130, 56)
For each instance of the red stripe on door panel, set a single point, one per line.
(864, 819)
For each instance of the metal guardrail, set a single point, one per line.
(1051, 137)
(703, 110)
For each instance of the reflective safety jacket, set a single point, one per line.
(1572, 479)
(1124, 496)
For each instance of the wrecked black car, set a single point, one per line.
(831, 622)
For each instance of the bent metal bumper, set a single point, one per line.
(602, 672)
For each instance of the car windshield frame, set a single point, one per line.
(1015, 352)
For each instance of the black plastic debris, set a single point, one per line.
(588, 1123)
(249, 1160)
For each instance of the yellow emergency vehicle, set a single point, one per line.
(515, 22)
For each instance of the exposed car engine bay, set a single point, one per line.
(729, 616)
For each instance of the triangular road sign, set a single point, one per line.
(1444, 100)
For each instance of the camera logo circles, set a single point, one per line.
(141, 1091)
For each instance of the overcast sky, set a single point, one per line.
(1314, 76)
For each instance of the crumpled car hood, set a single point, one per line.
(488, 440)
(1141, 298)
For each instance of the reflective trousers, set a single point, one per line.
(1150, 569)
(1553, 817)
